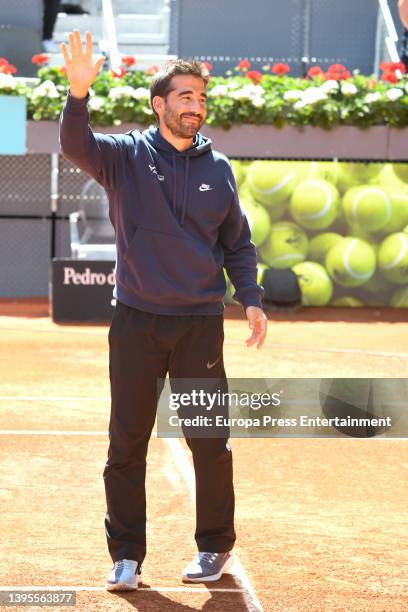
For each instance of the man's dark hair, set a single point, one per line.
(161, 82)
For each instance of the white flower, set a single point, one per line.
(96, 103)
(240, 94)
(232, 84)
(121, 92)
(248, 92)
(47, 89)
(7, 81)
(348, 89)
(254, 90)
(147, 110)
(394, 94)
(218, 90)
(309, 96)
(117, 122)
(329, 86)
(140, 93)
(91, 92)
(372, 97)
(292, 95)
(258, 101)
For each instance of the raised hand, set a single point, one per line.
(80, 69)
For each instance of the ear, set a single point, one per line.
(158, 104)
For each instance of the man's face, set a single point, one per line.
(184, 109)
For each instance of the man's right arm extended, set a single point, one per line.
(99, 155)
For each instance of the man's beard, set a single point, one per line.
(181, 128)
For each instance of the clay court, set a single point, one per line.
(321, 523)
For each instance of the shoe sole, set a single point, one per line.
(122, 586)
(213, 577)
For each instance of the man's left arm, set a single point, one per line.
(240, 264)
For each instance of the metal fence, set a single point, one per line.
(301, 33)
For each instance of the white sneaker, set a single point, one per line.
(207, 567)
(50, 46)
(125, 576)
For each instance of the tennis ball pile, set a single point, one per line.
(341, 227)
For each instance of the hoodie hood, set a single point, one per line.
(201, 145)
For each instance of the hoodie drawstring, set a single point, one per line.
(185, 191)
(185, 188)
(175, 184)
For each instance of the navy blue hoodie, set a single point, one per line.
(176, 216)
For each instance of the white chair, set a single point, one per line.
(92, 234)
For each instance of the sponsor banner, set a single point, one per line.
(82, 290)
(283, 408)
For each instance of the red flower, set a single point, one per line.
(336, 68)
(244, 64)
(118, 72)
(10, 69)
(63, 70)
(6, 68)
(128, 60)
(393, 66)
(337, 72)
(255, 76)
(208, 66)
(40, 58)
(280, 69)
(152, 69)
(390, 77)
(314, 71)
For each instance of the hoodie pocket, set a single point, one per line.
(165, 267)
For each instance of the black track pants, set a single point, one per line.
(142, 348)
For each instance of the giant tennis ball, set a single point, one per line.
(275, 211)
(271, 182)
(238, 171)
(228, 299)
(258, 220)
(320, 245)
(363, 172)
(367, 207)
(387, 178)
(285, 246)
(393, 258)
(355, 231)
(314, 204)
(399, 209)
(399, 298)
(401, 171)
(327, 171)
(347, 300)
(377, 284)
(345, 179)
(314, 282)
(351, 262)
(261, 269)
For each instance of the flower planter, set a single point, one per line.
(264, 141)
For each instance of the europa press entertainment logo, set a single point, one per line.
(87, 277)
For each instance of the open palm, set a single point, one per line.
(80, 69)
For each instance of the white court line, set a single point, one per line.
(103, 589)
(251, 600)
